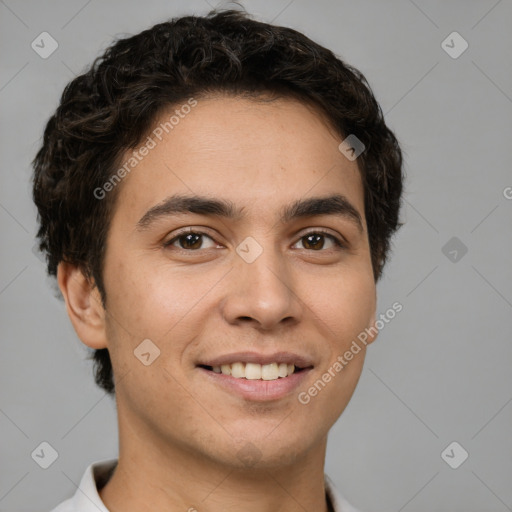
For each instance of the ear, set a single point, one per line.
(83, 304)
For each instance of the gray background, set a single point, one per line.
(439, 372)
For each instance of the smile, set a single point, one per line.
(255, 371)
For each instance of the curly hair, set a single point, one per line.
(108, 109)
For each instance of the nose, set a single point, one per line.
(262, 292)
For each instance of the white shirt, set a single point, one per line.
(87, 498)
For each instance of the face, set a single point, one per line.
(257, 287)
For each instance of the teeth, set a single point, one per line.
(238, 370)
(270, 371)
(254, 371)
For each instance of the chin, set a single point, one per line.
(268, 452)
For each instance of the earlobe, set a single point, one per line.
(83, 304)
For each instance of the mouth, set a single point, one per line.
(255, 371)
(256, 377)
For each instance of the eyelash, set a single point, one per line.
(337, 241)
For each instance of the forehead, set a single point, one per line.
(259, 154)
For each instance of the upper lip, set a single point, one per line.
(255, 357)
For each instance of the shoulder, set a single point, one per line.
(86, 497)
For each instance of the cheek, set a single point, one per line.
(160, 303)
(346, 305)
(344, 309)
(342, 312)
(144, 300)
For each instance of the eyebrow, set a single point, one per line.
(177, 204)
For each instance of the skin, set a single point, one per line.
(179, 434)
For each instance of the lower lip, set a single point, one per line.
(259, 390)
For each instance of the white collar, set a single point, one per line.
(87, 498)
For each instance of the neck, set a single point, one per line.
(153, 476)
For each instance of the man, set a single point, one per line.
(216, 198)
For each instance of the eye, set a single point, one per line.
(189, 240)
(314, 240)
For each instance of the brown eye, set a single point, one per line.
(188, 240)
(315, 240)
